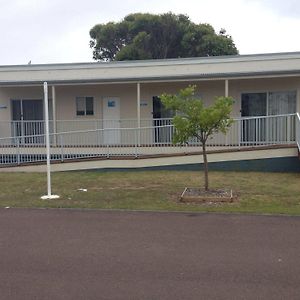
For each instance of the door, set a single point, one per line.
(253, 105)
(27, 118)
(161, 117)
(111, 120)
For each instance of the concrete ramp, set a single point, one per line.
(278, 159)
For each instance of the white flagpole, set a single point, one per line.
(46, 109)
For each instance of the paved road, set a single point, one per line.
(67, 254)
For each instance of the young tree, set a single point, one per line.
(150, 36)
(193, 119)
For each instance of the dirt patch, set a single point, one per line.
(197, 195)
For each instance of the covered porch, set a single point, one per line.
(114, 110)
(105, 106)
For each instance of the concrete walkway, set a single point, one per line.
(73, 254)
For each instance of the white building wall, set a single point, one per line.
(237, 87)
(208, 90)
(14, 93)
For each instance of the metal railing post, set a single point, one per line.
(288, 129)
(240, 129)
(136, 141)
(297, 135)
(18, 151)
(61, 141)
(107, 151)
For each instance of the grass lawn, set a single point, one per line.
(277, 193)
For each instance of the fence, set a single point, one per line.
(298, 130)
(37, 127)
(146, 140)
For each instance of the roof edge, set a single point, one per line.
(154, 62)
(191, 77)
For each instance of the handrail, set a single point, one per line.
(135, 141)
(148, 119)
(264, 117)
(85, 120)
(89, 131)
(239, 119)
(298, 130)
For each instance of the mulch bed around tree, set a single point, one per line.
(197, 195)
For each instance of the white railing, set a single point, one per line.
(279, 129)
(25, 128)
(74, 125)
(147, 140)
(87, 144)
(298, 130)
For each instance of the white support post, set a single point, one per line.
(138, 103)
(226, 88)
(54, 113)
(298, 101)
(49, 195)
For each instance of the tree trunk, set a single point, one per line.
(205, 166)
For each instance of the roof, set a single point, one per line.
(197, 68)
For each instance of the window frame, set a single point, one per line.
(85, 111)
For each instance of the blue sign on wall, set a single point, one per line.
(111, 103)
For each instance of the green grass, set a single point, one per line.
(275, 193)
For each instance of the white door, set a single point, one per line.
(111, 120)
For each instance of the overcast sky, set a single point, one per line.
(57, 31)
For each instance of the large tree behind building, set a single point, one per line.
(149, 36)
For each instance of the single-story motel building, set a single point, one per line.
(112, 110)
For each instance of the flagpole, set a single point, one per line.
(46, 109)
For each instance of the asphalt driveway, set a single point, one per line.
(73, 254)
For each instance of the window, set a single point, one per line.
(282, 103)
(84, 106)
(268, 103)
(254, 104)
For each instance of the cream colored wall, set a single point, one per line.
(66, 103)
(210, 89)
(237, 87)
(207, 90)
(9, 93)
(66, 95)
